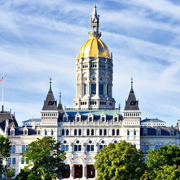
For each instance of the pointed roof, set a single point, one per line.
(94, 15)
(60, 107)
(131, 103)
(50, 103)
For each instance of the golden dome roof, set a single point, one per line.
(93, 47)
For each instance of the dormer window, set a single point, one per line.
(65, 119)
(103, 119)
(12, 132)
(77, 119)
(172, 132)
(25, 132)
(158, 132)
(90, 119)
(115, 119)
(39, 132)
(145, 132)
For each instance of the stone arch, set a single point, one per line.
(67, 161)
(90, 160)
(78, 160)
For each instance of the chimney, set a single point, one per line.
(33, 123)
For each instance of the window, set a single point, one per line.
(85, 89)
(90, 119)
(100, 132)
(22, 160)
(101, 89)
(67, 132)
(108, 90)
(172, 132)
(117, 132)
(79, 132)
(93, 88)
(92, 132)
(77, 147)
(113, 132)
(145, 148)
(77, 119)
(9, 160)
(45, 133)
(65, 147)
(134, 133)
(87, 132)
(65, 119)
(145, 132)
(157, 147)
(103, 119)
(12, 132)
(115, 119)
(23, 148)
(13, 160)
(128, 132)
(101, 146)
(27, 146)
(90, 147)
(52, 133)
(75, 132)
(13, 148)
(105, 132)
(135, 145)
(158, 132)
(62, 132)
(25, 132)
(39, 132)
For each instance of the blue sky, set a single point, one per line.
(40, 39)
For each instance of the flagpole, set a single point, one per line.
(3, 93)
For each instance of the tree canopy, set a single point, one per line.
(45, 159)
(5, 146)
(120, 161)
(164, 163)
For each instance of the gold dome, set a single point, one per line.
(93, 47)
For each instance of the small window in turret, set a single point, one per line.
(77, 119)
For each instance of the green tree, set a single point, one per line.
(164, 162)
(9, 172)
(5, 146)
(120, 161)
(45, 159)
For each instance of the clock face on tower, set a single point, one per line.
(133, 103)
(50, 103)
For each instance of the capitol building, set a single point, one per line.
(93, 122)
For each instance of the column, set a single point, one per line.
(71, 171)
(84, 172)
(96, 173)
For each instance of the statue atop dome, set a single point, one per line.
(94, 24)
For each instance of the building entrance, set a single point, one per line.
(90, 171)
(67, 173)
(78, 171)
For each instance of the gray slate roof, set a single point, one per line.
(154, 120)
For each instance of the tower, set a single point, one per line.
(94, 71)
(132, 118)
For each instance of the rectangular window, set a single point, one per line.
(90, 119)
(77, 147)
(27, 146)
(77, 119)
(100, 88)
(85, 89)
(13, 160)
(103, 119)
(115, 119)
(9, 160)
(63, 147)
(23, 148)
(134, 133)
(13, 148)
(67, 147)
(117, 133)
(22, 160)
(100, 132)
(93, 88)
(108, 90)
(10, 149)
(79, 132)
(65, 119)
(90, 147)
(157, 147)
(39, 132)
(145, 148)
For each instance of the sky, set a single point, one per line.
(40, 39)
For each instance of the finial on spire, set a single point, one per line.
(132, 86)
(50, 90)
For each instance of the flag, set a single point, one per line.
(1, 79)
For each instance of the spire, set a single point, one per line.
(94, 33)
(50, 90)
(60, 107)
(132, 91)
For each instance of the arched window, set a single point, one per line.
(117, 132)
(105, 132)
(100, 132)
(63, 132)
(113, 132)
(87, 132)
(79, 132)
(67, 132)
(134, 133)
(52, 133)
(75, 132)
(45, 133)
(128, 132)
(92, 132)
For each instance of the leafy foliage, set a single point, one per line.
(45, 159)
(9, 172)
(120, 161)
(5, 146)
(163, 161)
